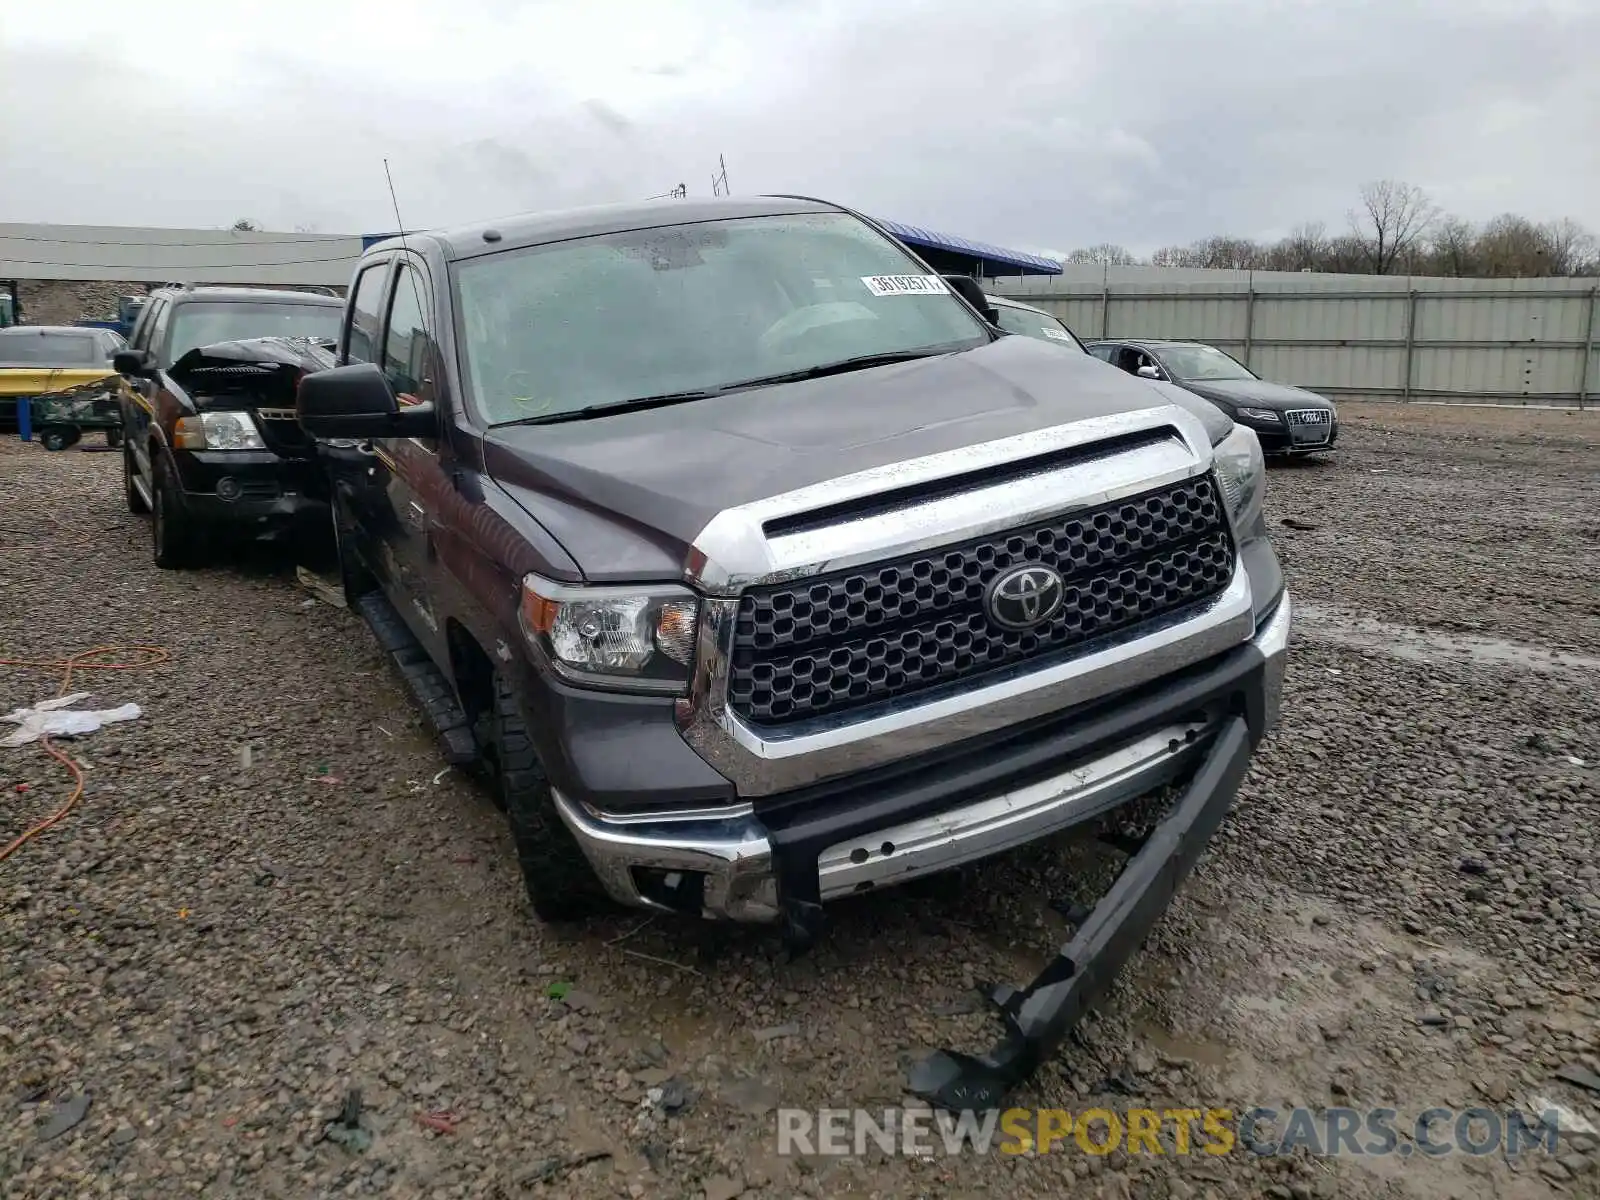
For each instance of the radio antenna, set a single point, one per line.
(411, 271)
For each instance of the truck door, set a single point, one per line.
(138, 395)
(358, 476)
(415, 484)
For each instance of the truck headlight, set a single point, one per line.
(217, 431)
(1242, 471)
(629, 638)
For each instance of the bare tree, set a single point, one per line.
(1512, 245)
(1570, 246)
(246, 225)
(1306, 245)
(1392, 218)
(1172, 256)
(1453, 247)
(1104, 254)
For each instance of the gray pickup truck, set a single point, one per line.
(758, 568)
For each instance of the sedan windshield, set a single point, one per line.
(198, 323)
(1197, 363)
(688, 310)
(1034, 324)
(22, 347)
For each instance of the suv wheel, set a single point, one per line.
(130, 473)
(175, 539)
(561, 885)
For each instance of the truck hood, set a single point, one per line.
(250, 371)
(1257, 393)
(626, 494)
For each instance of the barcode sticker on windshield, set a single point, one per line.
(1060, 335)
(904, 285)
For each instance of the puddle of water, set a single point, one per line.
(1171, 1045)
(1420, 645)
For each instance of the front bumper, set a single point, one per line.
(1277, 439)
(251, 486)
(781, 860)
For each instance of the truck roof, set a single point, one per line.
(256, 295)
(533, 229)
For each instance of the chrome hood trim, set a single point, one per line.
(733, 551)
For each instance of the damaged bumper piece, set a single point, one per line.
(779, 863)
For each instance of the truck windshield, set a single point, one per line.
(199, 323)
(692, 308)
(1034, 324)
(24, 348)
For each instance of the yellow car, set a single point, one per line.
(64, 372)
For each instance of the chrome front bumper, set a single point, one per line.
(731, 848)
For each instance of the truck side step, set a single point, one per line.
(429, 687)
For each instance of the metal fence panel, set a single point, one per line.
(1493, 340)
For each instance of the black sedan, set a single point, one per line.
(1288, 420)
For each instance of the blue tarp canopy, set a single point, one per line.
(995, 260)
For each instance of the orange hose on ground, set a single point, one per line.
(76, 662)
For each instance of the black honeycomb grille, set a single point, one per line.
(838, 642)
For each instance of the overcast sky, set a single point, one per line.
(1035, 124)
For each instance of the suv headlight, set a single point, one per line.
(218, 431)
(1242, 472)
(628, 638)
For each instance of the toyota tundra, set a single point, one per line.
(757, 567)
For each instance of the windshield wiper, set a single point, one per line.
(614, 406)
(859, 363)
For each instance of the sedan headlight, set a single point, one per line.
(629, 638)
(1242, 472)
(218, 431)
(1260, 414)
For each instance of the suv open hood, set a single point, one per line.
(627, 494)
(250, 373)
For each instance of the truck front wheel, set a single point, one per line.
(176, 541)
(561, 885)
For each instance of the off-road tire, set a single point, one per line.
(54, 438)
(560, 883)
(176, 541)
(136, 502)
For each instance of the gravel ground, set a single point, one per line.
(1402, 910)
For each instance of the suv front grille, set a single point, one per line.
(914, 624)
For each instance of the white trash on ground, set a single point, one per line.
(54, 718)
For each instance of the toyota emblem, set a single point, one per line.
(1024, 596)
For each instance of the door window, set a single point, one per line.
(366, 304)
(405, 342)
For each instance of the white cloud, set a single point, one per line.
(1021, 122)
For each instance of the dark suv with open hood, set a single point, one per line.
(210, 442)
(758, 569)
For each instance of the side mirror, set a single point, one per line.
(356, 402)
(1148, 372)
(967, 288)
(138, 364)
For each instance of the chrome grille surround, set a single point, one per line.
(734, 553)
